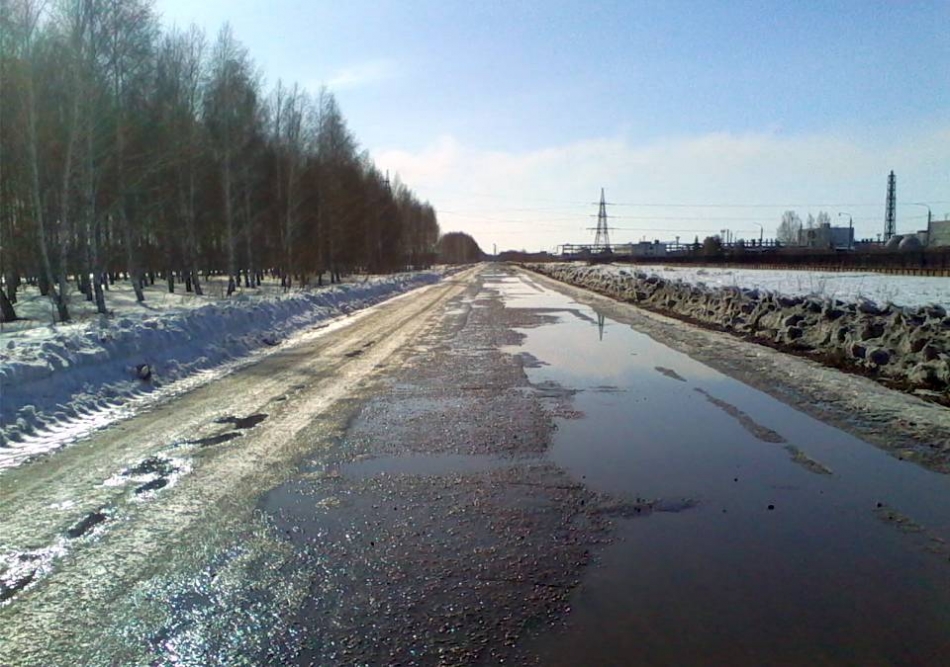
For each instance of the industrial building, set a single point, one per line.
(939, 233)
(826, 237)
(641, 249)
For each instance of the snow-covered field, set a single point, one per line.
(58, 381)
(849, 287)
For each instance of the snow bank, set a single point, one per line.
(903, 346)
(52, 375)
(849, 286)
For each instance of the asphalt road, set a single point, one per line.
(491, 469)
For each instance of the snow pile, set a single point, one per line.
(54, 375)
(849, 286)
(904, 346)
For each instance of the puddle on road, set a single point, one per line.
(86, 524)
(242, 423)
(786, 556)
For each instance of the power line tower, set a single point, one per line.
(890, 208)
(602, 237)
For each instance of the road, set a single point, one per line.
(494, 468)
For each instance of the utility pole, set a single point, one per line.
(761, 232)
(850, 230)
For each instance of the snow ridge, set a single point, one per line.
(76, 372)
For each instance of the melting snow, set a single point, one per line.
(847, 286)
(61, 381)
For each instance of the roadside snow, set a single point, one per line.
(850, 287)
(60, 381)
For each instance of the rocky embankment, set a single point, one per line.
(904, 347)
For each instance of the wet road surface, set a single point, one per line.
(483, 471)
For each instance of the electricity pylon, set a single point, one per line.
(602, 237)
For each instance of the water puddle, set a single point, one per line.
(20, 570)
(86, 524)
(242, 423)
(152, 485)
(800, 542)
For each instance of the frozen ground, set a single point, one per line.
(850, 287)
(58, 381)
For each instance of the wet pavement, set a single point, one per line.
(528, 480)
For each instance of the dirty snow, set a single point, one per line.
(61, 381)
(846, 286)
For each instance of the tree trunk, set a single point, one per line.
(133, 268)
(47, 276)
(229, 219)
(249, 274)
(7, 312)
(92, 221)
(13, 282)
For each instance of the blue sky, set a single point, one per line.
(695, 116)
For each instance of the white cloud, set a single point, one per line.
(362, 74)
(538, 199)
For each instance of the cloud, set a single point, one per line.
(362, 74)
(432, 166)
(674, 186)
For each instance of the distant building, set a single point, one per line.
(826, 237)
(939, 233)
(641, 249)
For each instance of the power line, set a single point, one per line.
(576, 204)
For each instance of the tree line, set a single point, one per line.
(128, 151)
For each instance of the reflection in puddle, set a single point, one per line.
(807, 462)
(670, 373)
(761, 432)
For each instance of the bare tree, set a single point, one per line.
(26, 21)
(291, 136)
(130, 29)
(789, 229)
(230, 112)
(336, 151)
(178, 90)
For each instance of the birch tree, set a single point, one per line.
(25, 19)
(130, 30)
(230, 111)
(789, 229)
